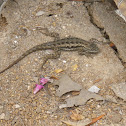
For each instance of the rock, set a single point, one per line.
(110, 98)
(122, 8)
(120, 90)
(116, 31)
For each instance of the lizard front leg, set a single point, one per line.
(55, 55)
(83, 51)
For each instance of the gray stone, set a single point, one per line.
(110, 98)
(114, 26)
(120, 90)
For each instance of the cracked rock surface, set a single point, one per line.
(114, 26)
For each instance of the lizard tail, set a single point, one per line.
(35, 48)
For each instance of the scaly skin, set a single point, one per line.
(67, 44)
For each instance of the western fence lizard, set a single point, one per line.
(67, 44)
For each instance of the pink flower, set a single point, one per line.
(38, 88)
(43, 80)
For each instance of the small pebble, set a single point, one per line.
(63, 27)
(40, 13)
(34, 104)
(7, 117)
(36, 79)
(16, 36)
(2, 116)
(64, 61)
(38, 110)
(94, 89)
(28, 87)
(16, 106)
(83, 79)
(98, 106)
(48, 112)
(36, 60)
(34, 70)
(15, 41)
(1, 107)
(87, 65)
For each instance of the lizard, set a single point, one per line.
(83, 47)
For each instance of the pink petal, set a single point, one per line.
(38, 88)
(43, 81)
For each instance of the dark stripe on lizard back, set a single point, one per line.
(66, 44)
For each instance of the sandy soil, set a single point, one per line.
(18, 33)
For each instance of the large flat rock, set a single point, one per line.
(114, 26)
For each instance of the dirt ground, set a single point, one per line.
(21, 27)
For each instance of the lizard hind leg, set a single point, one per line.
(55, 55)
